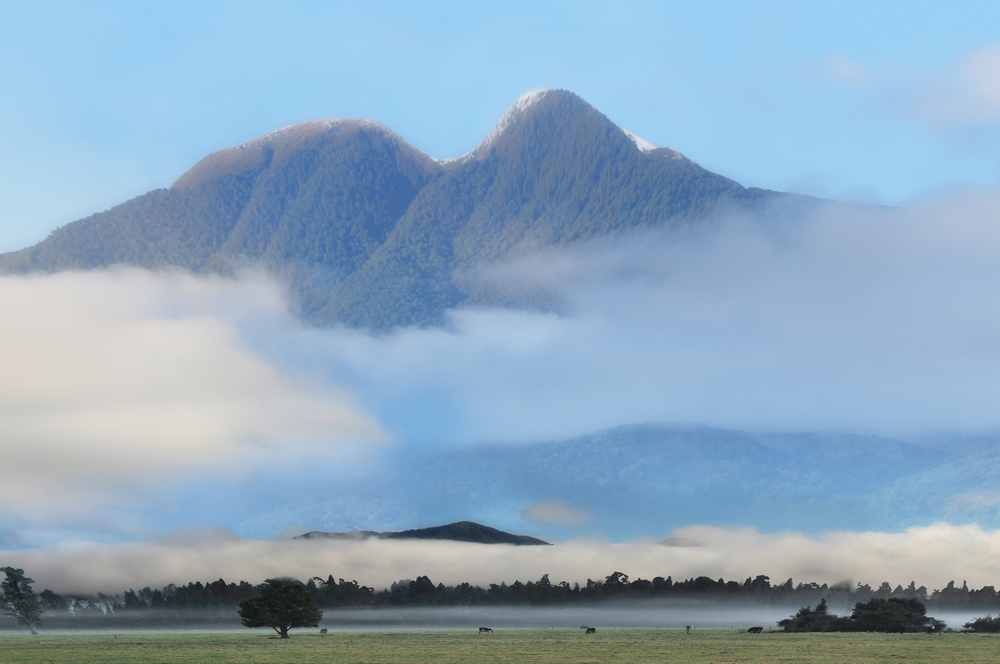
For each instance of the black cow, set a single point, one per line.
(755, 630)
(485, 630)
(591, 630)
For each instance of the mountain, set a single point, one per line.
(369, 231)
(649, 479)
(463, 531)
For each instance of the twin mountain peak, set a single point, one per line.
(368, 231)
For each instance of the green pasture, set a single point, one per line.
(529, 646)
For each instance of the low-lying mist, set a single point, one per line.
(930, 556)
(675, 614)
(672, 614)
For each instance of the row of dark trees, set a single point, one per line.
(283, 604)
(193, 596)
(331, 593)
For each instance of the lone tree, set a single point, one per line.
(19, 600)
(281, 604)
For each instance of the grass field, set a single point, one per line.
(467, 647)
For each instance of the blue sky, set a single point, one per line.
(103, 102)
(136, 403)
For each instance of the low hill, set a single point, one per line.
(462, 531)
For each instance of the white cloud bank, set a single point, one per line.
(858, 319)
(931, 556)
(120, 379)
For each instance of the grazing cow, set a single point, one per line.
(755, 630)
(591, 630)
(485, 630)
(323, 631)
(688, 628)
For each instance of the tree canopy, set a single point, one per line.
(19, 600)
(816, 620)
(896, 614)
(984, 624)
(281, 604)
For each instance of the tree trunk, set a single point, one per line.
(283, 632)
(34, 631)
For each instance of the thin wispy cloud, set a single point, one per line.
(970, 501)
(964, 93)
(968, 93)
(554, 512)
(845, 71)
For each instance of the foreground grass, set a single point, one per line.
(529, 646)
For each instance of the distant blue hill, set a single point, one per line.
(371, 232)
(646, 480)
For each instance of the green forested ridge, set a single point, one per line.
(370, 232)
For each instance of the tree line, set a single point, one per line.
(284, 603)
(422, 591)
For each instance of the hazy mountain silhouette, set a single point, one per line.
(369, 231)
(639, 479)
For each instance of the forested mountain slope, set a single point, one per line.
(369, 231)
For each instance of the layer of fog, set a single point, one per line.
(931, 556)
(123, 389)
(675, 614)
(872, 320)
(666, 614)
(122, 379)
(670, 614)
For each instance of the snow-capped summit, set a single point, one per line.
(520, 109)
(646, 146)
(512, 115)
(640, 142)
